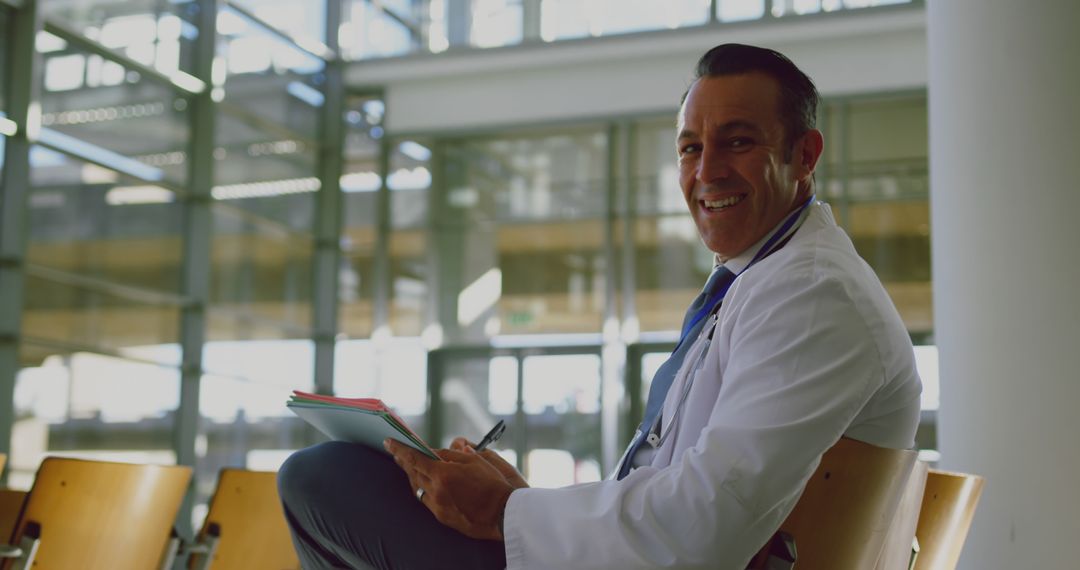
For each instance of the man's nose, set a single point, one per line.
(713, 166)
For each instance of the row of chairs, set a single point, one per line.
(864, 508)
(117, 516)
(868, 507)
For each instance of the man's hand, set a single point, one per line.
(464, 491)
(512, 476)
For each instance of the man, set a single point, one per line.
(792, 345)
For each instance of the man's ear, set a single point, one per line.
(807, 153)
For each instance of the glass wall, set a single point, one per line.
(878, 183)
(258, 325)
(383, 275)
(670, 264)
(548, 397)
(98, 336)
(520, 234)
(128, 243)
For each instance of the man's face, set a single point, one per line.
(732, 168)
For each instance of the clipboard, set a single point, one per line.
(367, 421)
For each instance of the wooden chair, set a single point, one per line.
(847, 508)
(899, 542)
(96, 515)
(245, 526)
(11, 505)
(948, 506)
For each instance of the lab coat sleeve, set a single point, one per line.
(797, 362)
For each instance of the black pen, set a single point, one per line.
(492, 436)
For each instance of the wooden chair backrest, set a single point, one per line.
(948, 506)
(248, 513)
(847, 507)
(896, 554)
(11, 504)
(97, 515)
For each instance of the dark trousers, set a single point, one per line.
(350, 506)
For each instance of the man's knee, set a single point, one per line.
(304, 473)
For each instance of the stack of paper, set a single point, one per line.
(357, 420)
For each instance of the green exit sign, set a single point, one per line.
(519, 319)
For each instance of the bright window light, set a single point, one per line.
(502, 385)
(479, 296)
(415, 151)
(566, 383)
(417, 178)
(64, 72)
(45, 42)
(550, 468)
(926, 361)
(125, 195)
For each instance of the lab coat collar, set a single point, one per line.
(738, 263)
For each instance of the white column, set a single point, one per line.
(1004, 91)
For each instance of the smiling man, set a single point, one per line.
(792, 344)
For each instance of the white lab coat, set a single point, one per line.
(807, 348)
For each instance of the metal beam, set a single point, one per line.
(197, 230)
(55, 140)
(408, 24)
(311, 47)
(628, 284)
(22, 96)
(531, 18)
(612, 358)
(381, 297)
(85, 282)
(328, 215)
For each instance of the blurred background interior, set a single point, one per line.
(467, 208)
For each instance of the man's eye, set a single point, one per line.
(689, 148)
(740, 142)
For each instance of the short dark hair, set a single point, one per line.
(798, 95)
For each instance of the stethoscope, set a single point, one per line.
(656, 437)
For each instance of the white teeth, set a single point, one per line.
(723, 203)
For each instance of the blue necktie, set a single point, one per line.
(720, 280)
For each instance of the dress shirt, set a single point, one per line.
(807, 348)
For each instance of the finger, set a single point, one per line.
(405, 455)
(460, 444)
(417, 478)
(417, 467)
(416, 483)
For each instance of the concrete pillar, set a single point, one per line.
(1005, 206)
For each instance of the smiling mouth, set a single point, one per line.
(720, 205)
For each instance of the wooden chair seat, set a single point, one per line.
(96, 515)
(246, 512)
